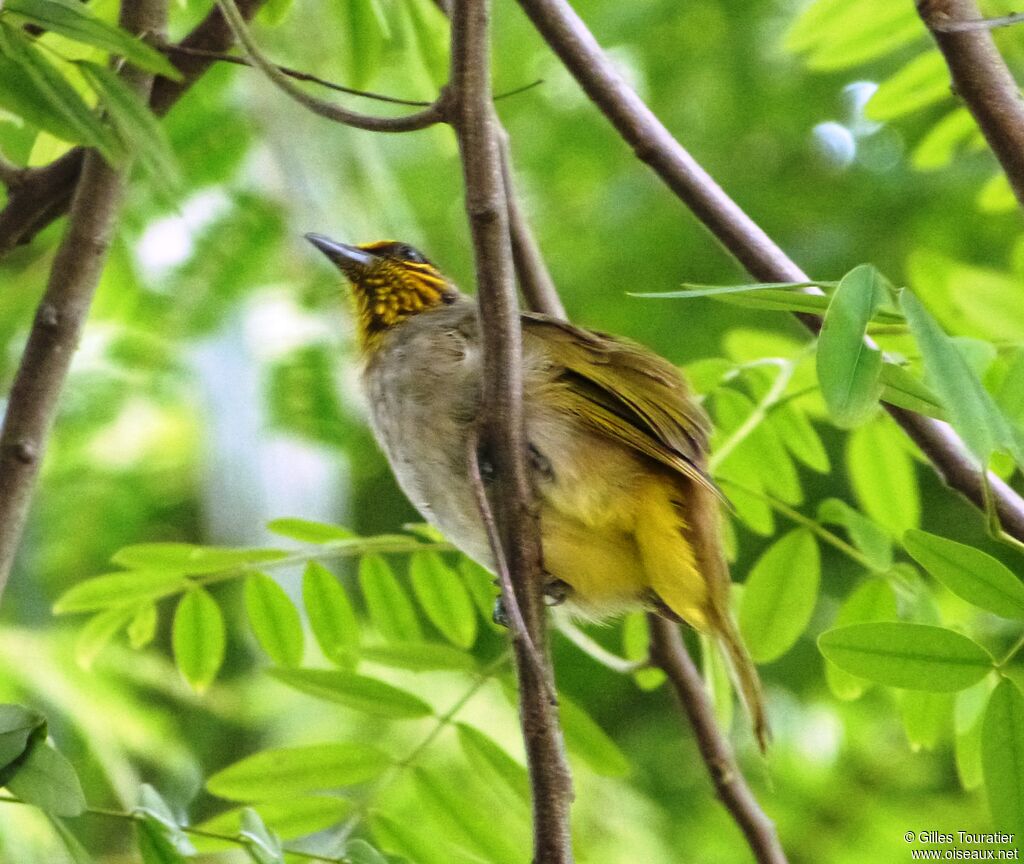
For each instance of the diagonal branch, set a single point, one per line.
(501, 411)
(60, 317)
(669, 653)
(420, 120)
(982, 79)
(44, 194)
(653, 144)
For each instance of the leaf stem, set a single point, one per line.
(1011, 653)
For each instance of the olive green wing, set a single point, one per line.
(623, 390)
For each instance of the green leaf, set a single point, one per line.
(971, 410)
(883, 477)
(1002, 757)
(492, 763)
(911, 656)
(588, 741)
(694, 289)
(848, 369)
(285, 772)
(330, 615)
(361, 852)
(969, 573)
(354, 691)
(76, 21)
(263, 845)
(18, 726)
(98, 631)
(136, 125)
(420, 657)
(480, 584)
(307, 531)
(198, 638)
(47, 779)
(22, 98)
(37, 79)
(944, 140)
(873, 600)
(636, 645)
(969, 723)
(460, 810)
(797, 432)
(921, 82)
(154, 845)
(289, 818)
(142, 627)
(867, 536)
(274, 620)
(390, 608)
(902, 389)
(119, 589)
(366, 42)
(779, 595)
(431, 32)
(443, 597)
(187, 559)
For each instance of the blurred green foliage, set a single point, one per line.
(350, 684)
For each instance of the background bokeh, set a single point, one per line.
(215, 389)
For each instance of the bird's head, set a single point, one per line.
(391, 282)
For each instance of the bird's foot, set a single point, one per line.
(499, 615)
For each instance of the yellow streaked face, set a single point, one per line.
(391, 281)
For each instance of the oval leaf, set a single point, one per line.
(287, 771)
(849, 369)
(307, 531)
(198, 639)
(48, 780)
(969, 573)
(274, 620)
(873, 600)
(354, 691)
(443, 597)
(421, 657)
(585, 739)
(911, 656)
(390, 609)
(1002, 757)
(118, 589)
(779, 595)
(883, 477)
(330, 615)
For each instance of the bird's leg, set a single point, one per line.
(499, 615)
(656, 604)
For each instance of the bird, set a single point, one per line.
(629, 516)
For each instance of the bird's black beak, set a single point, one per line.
(351, 259)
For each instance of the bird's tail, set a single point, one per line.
(745, 677)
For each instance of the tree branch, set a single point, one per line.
(60, 317)
(503, 434)
(653, 144)
(669, 653)
(982, 79)
(430, 115)
(44, 194)
(977, 23)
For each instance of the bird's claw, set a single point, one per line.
(556, 592)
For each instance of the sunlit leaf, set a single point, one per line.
(867, 536)
(361, 852)
(263, 845)
(927, 717)
(308, 531)
(98, 631)
(198, 638)
(921, 82)
(291, 817)
(142, 627)
(119, 589)
(421, 657)
(330, 615)
(911, 656)
(491, 761)
(800, 437)
(354, 691)
(883, 477)
(285, 772)
(1002, 756)
(873, 600)
(969, 573)
(779, 595)
(389, 606)
(589, 742)
(443, 597)
(190, 559)
(902, 389)
(274, 620)
(76, 21)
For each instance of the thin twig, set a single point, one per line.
(420, 120)
(653, 144)
(670, 655)
(298, 75)
(44, 194)
(60, 317)
(982, 80)
(472, 116)
(534, 279)
(978, 23)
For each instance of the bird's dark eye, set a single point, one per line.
(407, 253)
